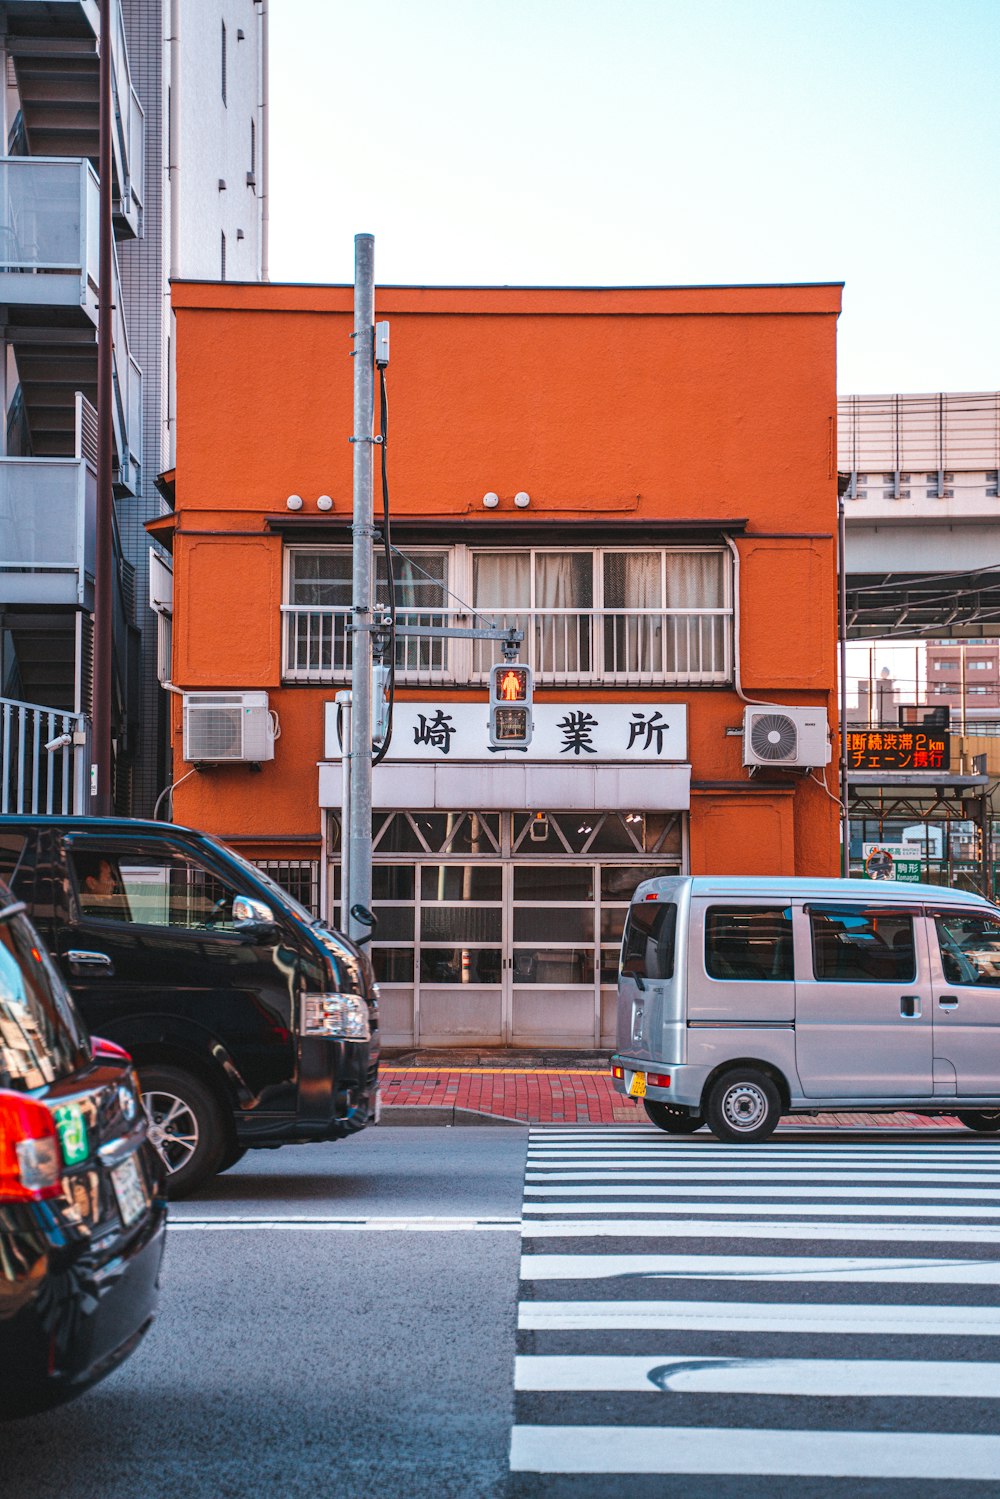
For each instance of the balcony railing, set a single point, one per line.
(37, 780)
(628, 648)
(48, 523)
(49, 233)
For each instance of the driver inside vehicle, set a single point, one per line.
(100, 888)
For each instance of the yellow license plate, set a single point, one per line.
(637, 1087)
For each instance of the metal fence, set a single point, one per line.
(44, 755)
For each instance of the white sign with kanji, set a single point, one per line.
(570, 733)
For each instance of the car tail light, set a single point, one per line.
(31, 1162)
(617, 1071)
(658, 1079)
(109, 1049)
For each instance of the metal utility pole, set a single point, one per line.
(359, 845)
(845, 815)
(104, 565)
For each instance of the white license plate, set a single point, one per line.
(130, 1190)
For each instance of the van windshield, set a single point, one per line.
(42, 1037)
(648, 942)
(288, 901)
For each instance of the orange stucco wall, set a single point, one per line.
(696, 404)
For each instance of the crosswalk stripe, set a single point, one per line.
(868, 1319)
(684, 1374)
(706, 1155)
(729, 1205)
(680, 1189)
(746, 1451)
(711, 1228)
(652, 1175)
(801, 1269)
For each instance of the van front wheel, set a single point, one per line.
(743, 1106)
(674, 1121)
(986, 1121)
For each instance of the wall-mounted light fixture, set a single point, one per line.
(294, 502)
(522, 500)
(490, 500)
(324, 502)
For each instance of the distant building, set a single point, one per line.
(189, 169)
(965, 675)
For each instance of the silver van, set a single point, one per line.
(740, 1000)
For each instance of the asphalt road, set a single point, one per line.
(334, 1360)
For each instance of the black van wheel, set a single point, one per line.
(986, 1121)
(674, 1121)
(186, 1127)
(743, 1105)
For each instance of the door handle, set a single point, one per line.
(909, 1006)
(948, 1002)
(94, 960)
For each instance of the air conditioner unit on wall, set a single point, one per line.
(227, 726)
(780, 737)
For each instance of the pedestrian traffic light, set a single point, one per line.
(510, 706)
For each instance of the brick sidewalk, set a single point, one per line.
(556, 1095)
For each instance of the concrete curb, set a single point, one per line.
(444, 1114)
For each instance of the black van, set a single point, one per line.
(250, 1022)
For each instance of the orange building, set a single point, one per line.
(641, 480)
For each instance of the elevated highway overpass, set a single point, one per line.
(922, 507)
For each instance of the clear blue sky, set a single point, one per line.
(638, 142)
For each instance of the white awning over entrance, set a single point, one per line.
(503, 786)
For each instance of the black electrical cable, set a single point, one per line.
(383, 748)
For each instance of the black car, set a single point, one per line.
(250, 1022)
(82, 1211)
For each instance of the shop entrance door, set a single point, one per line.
(488, 936)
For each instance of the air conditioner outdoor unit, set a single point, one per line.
(227, 726)
(785, 737)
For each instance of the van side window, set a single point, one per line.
(749, 943)
(166, 889)
(970, 949)
(648, 943)
(852, 945)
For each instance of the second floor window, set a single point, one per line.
(612, 615)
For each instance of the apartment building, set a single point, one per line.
(189, 192)
(605, 471)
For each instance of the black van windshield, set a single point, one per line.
(287, 900)
(42, 1038)
(648, 943)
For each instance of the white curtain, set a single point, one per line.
(696, 643)
(564, 581)
(632, 640)
(501, 589)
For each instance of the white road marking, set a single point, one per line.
(683, 1373)
(680, 1189)
(803, 1269)
(756, 1316)
(815, 1209)
(816, 1454)
(344, 1225)
(652, 1174)
(629, 1228)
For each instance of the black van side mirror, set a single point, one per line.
(252, 917)
(367, 918)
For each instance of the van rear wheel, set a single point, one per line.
(673, 1120)
(985, 1121)
(743, 1106)
(186, 1127)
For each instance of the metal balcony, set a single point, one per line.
(54, 47)
(49, 281)
(566, 647)
(48, 524)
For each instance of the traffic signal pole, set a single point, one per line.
(358, 845)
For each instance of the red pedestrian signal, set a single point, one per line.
(510, 706)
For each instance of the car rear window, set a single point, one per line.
(648, 943)
(42, 1037)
